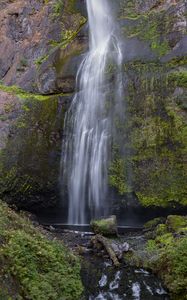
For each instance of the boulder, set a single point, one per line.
(176, 223)
(105, 226)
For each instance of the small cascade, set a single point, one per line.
(89, 121)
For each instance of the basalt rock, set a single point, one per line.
(41, 46)
(149, 156)
(30, 134)
(31, 31)
(40, 41)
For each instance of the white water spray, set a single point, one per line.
(89, 122)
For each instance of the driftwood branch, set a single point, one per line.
(105, 243)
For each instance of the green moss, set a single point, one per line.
(151, 200)
(161, 48)
(152, 224)
(133, 258)
(41, 59)
(64, 7)
(70, 6)
(105, 227)
(127, 10)
(175, 223)
(29, 174)
(164, 239)
(175, 259)
(68, 35)
(58, 8)
(180, 78)
(156, 132)
(42, 268)
(118, 176)
(150, 27)
(17, 91)
(161, 229)
(169, 256)
(178, 61)
(166, 254)
(151, 246)
(71, 22)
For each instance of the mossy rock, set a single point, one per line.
(169, 261)
(175, 223)
(151, 162)
(161, 229)
(179, 78)
(30, 157)
(152, 224)
(167, 254)
(105, 226)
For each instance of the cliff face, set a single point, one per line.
(155, 129)
(40, 47)
(39, 50)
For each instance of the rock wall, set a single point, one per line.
(41, 45)
(150, 160)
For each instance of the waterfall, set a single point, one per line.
(89, 121)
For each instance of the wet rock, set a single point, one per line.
(120, 249)
(83, 250)
(105, 226)
(51, 228)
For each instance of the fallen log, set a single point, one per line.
(99, 239)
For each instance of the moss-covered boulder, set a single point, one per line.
(105, 226)
(176, 223)
(33, 265)
(168, 255)
(152, 224)
(164, 252)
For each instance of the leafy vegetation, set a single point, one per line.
(165, 253)
(40, 268)
(168, 248)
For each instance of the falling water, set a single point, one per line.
(89, 121)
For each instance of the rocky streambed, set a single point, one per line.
(101, 279)
(148, 263)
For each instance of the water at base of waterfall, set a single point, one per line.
(89, 121)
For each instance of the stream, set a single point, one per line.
(103, 281)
